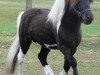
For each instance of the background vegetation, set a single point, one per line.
(88, 53)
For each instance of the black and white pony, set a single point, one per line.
(59, 28)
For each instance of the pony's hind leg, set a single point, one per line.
(20, 62)
(24, 46)
(43, 59)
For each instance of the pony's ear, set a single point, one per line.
(91, 1)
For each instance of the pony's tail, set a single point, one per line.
(14, 49)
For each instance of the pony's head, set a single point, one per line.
(84, 10)
(81, 7)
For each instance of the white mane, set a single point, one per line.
(56, 13)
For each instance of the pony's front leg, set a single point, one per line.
(69, 59)
(20, 62)
(43, 59)
(63, 72)
(65, 68)
(48, 70)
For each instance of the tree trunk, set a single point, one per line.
(28, 4)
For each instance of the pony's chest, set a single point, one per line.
(71, 40)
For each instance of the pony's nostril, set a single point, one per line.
(88, 17)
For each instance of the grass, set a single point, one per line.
(88, 53)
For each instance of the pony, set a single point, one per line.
(58, 28)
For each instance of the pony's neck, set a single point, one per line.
(57, 12)
(71, 21)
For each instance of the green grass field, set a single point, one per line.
(87, 55)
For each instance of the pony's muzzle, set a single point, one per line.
(87, 18)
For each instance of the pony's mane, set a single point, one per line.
(73, 2)
(58, 10)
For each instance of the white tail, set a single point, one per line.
(12, 55)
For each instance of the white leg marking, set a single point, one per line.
(48, 70)
(20, 62)
(63, 72)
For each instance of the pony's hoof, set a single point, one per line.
(48, 70)
(63, 72)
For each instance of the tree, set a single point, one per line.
(28, 4)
